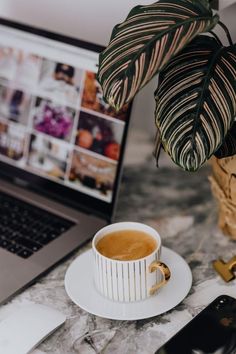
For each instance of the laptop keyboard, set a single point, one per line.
(25, 229)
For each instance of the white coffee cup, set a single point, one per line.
(132, 280)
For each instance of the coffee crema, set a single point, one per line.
(126, 245)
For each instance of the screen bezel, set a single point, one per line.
(66, 195)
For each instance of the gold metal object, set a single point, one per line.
(165, 271)
(225, 270)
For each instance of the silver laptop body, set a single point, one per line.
(73, 174)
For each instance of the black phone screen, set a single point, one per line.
(212, 331)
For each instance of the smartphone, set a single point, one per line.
(213, 330)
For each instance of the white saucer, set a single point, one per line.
(80, 288)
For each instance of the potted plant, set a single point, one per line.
(196, 90)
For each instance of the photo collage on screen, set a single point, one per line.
(55, 123)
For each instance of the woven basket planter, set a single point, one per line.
(223, 184)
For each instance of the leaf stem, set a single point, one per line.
(222, 25)
(216, 37)
(157, 148)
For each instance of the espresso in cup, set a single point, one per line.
(127, 265)
(126, 245)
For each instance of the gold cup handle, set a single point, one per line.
(165, 271)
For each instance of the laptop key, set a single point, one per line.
(14, 235)
(24, 253)
(14, 248)
(29, 244)
(4, 243)
(44, 240)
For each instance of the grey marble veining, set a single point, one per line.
(180, 206)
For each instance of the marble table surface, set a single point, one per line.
(181, 207)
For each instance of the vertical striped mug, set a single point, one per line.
(132, 280)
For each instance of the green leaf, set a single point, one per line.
(228, 148)
(145, 42)
(196, 101)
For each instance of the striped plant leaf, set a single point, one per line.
(196, 101)
(145, 42)
(228, 148)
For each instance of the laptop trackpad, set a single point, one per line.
(15, 273)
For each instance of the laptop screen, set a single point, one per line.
(54, 123)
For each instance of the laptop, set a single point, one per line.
(61, 151)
